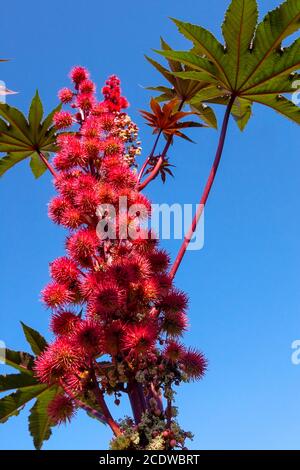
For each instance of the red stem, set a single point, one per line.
(156, 169)
(208, 186)
(48, 165)
(81, 404)
(108, 417)
(148, 158)
(160, 161)
(137, 404)
(106, 413)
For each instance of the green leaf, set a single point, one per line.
(17, 122)
(12, 159)
(14, 381)
(19, 360)
(39, 421)
(205, 43)
(175, 65)
(274, 28)
(11, 405)
(162, 89)
(195, 75)
(192, 60)
(35, 339)
(21, 139)
(183, 89)
(275, 76)
(206, 113)
(35, 114)
(238, 31)
(241, 111)
(279, 104)
(207, 93)
(37, 166)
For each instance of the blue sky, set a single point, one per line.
(243, 286)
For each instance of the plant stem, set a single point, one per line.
(148, 158)
(156, 169)
(83, 405)
(107, 415)
(48, 165)
(207, 189)
(101, 401)
(160, 161)
(137, 404)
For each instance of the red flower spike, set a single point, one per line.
(127, 302)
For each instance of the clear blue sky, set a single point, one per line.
(244, 284)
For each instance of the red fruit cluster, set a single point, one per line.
(109, 297)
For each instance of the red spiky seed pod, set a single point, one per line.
(56, 295)
(63, 322)
(78, 74)
(61, 409)
(159, 260)
(82, 246)
(113, 337)
(139, 339)
(62, 119)
(65, 95)
(57, 360)
(64, 271)
(88, 337)
(174, 323)
(194, 364)
(173, 351)
(174, 301)
(57, 208)
(87, 86)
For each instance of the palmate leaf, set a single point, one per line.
(251, 65)
(27, 388)
(22, 138)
